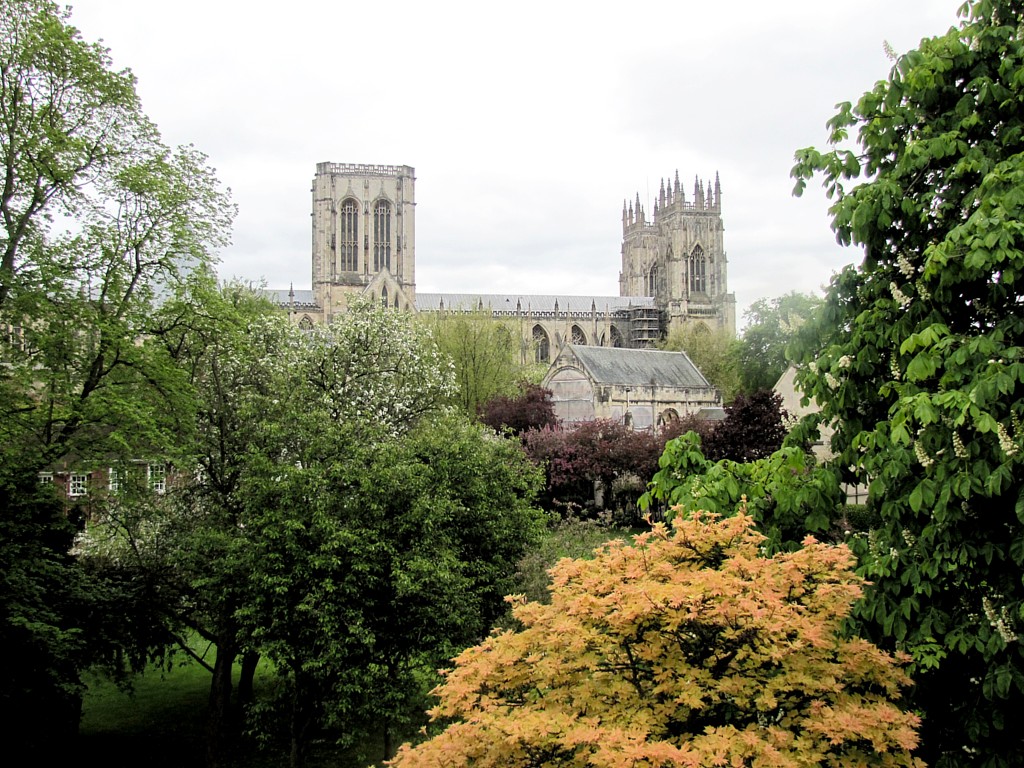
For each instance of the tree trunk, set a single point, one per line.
(388, 747)
(250, 659)
(221, 726)
(301, 721)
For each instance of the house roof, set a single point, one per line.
(510, 302)
(638, 367)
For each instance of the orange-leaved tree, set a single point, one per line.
(686, 648)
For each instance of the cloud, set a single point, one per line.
(528, 123)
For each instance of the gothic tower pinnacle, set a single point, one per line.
(679, 258)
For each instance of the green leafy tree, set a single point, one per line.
(786, 493)
(714, 352)
(66, 118)
(687, 648)
(83, 366)
(917, 360)
(99, 223)
(485, 353)
(340, 522)
(771, 325)
(389, 561)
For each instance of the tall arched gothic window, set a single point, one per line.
(384, 297)
(541, 345)
(578, 336)
(651, 282)
(616, 338)
(698, 271)
(382, 236)
(348, 235)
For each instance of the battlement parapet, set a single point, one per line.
(361, 169)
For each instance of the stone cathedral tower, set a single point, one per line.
(678, 256)
(364, 235)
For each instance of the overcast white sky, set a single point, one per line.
(528, 123)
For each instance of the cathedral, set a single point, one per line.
(674, 267)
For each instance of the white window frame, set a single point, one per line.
(78, 484)
(46, 477)
(113, 480)
(156, 477)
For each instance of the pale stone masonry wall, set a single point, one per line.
(678, 256)
(674, 266)
(383, 231)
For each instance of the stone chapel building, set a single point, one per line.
(674, 266)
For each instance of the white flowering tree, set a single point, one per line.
(340, 523)
(372, 367)
(920, 365)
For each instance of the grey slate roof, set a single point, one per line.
(711, 414)
(303, 297)
(637, 367)
(502, 302)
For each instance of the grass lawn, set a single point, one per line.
(160, 723)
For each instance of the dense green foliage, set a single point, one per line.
(43, 596)
(714, 352)
(918, 360)
(367, 573)
(771, 325)
(786, 493)
(99, 222)
(487, 356)
(568, 537)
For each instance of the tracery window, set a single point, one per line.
(306, 323)
(578, 336)
(384, 297)
(698, 271)
(382, 236)
(541, 345)
(348, 235)
(616, 338)
(651, 281)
